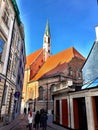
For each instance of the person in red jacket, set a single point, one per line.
(30, 119)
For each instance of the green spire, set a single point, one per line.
(47, 30)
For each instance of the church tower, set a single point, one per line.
(47, 42)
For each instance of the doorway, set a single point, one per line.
(80, 119)
(57, 111)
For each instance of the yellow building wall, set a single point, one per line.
(30, 90)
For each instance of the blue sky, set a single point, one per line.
(72, 23)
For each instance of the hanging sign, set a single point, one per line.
(17, 94)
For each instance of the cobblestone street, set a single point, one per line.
(21, 122)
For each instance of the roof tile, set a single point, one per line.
(32, 57)
(54, 60)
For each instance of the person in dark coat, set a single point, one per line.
(43, 119)
(25, 110)
(37, 120)
(28, 110)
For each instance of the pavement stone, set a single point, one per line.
(21, 121)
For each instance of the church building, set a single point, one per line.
(44, 71)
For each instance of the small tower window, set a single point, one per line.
(48, 39)
(45, 39)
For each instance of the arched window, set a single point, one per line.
(1, 47)
(40, 93)
(51, 90)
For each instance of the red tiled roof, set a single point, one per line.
(60, 58)
(32, 57)
(60, 68)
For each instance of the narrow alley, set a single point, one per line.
(21, 122)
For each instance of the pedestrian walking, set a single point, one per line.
(43, 119)
(25, 110)
(28, 109)
(30, 119)
(37, 120)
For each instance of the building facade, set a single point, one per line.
(12, 59)
(44, 71)
(78, 109)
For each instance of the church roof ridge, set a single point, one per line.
(71, 52)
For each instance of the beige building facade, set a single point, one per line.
(12, 59)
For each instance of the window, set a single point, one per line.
(1, 47)
(40, 93)
(6, 17)
(9, 64)
(70, 71)
(51, 91)
(4, 94)
(22, 50)
(45, 39)
(18, 79)
(20, 63)
(48, 51)
(79, 74)
(10, 61)
(48, 39)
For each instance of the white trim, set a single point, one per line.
(89, 112)
(69, 112)
(60, 111)
(72, 113)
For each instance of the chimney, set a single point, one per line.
(96, 29)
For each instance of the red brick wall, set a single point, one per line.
(76, 65)
(36, 65)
